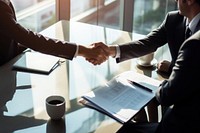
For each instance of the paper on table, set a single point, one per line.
(120, 99)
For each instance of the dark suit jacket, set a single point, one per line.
(171, 31)
(182, 90)
(12, 33)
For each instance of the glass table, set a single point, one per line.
(22, 101)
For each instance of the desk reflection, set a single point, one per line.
(8, 122)
(22, 95)
(56, 126)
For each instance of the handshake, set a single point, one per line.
(97, 53)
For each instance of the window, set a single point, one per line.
(149, 14)
(140, 16)
(98, 12)
(35, 14)
(145, 14)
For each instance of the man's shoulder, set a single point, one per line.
(174, 17)
(4, 6)
(174, 13)
(5, 1)
(195, 36)
(193, 42)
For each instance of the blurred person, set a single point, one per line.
(172, 32)
(180, 93)
(14, 38)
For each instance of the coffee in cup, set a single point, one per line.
(55, 107)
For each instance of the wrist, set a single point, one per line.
(82, 50)
(112, 51)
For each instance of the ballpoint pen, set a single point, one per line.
(139, 85)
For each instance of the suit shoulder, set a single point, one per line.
(192, 42)
(195, 36)
(173, 12)
(3, 2)
(4, 6)
(175, 15)
(173, 18)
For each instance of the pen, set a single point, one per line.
(139, 85)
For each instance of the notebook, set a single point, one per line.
(35, 62)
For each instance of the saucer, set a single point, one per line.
(153, 62)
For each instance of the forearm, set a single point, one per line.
(112, 51)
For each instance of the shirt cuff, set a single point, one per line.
(117, 52)
(76, 53)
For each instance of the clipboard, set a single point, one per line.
(35, 62)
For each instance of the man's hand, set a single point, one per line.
(163, 66)
(101, 51)
(108, 51)
(94, 54)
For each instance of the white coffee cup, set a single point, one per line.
(55, 107)
(146, 59)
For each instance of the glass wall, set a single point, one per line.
(141, 16)
(98, 12)
(35, 14)
(147, 14)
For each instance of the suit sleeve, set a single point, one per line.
(155, 39)
(33, 40)
(182, 83)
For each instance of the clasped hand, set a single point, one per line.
(99, 53)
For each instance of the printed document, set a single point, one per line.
(121, 99)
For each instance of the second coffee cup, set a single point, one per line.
(146, 60)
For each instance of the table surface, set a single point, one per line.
(22, 101)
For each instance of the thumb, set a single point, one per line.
(103, 46)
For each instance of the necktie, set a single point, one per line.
(187, 32)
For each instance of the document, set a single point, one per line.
(122, 97)
(35, 62)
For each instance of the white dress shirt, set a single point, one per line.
(193, 23)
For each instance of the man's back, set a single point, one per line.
(182, 90)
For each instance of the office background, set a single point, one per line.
(143, 15)
(138, 16)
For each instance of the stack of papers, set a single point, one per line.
(122, 97)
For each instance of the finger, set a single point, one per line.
(102, 45)
(90, 60)
(102, 57)
(105, 53)
(93, 61)
(158, 65)
(96, 45)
